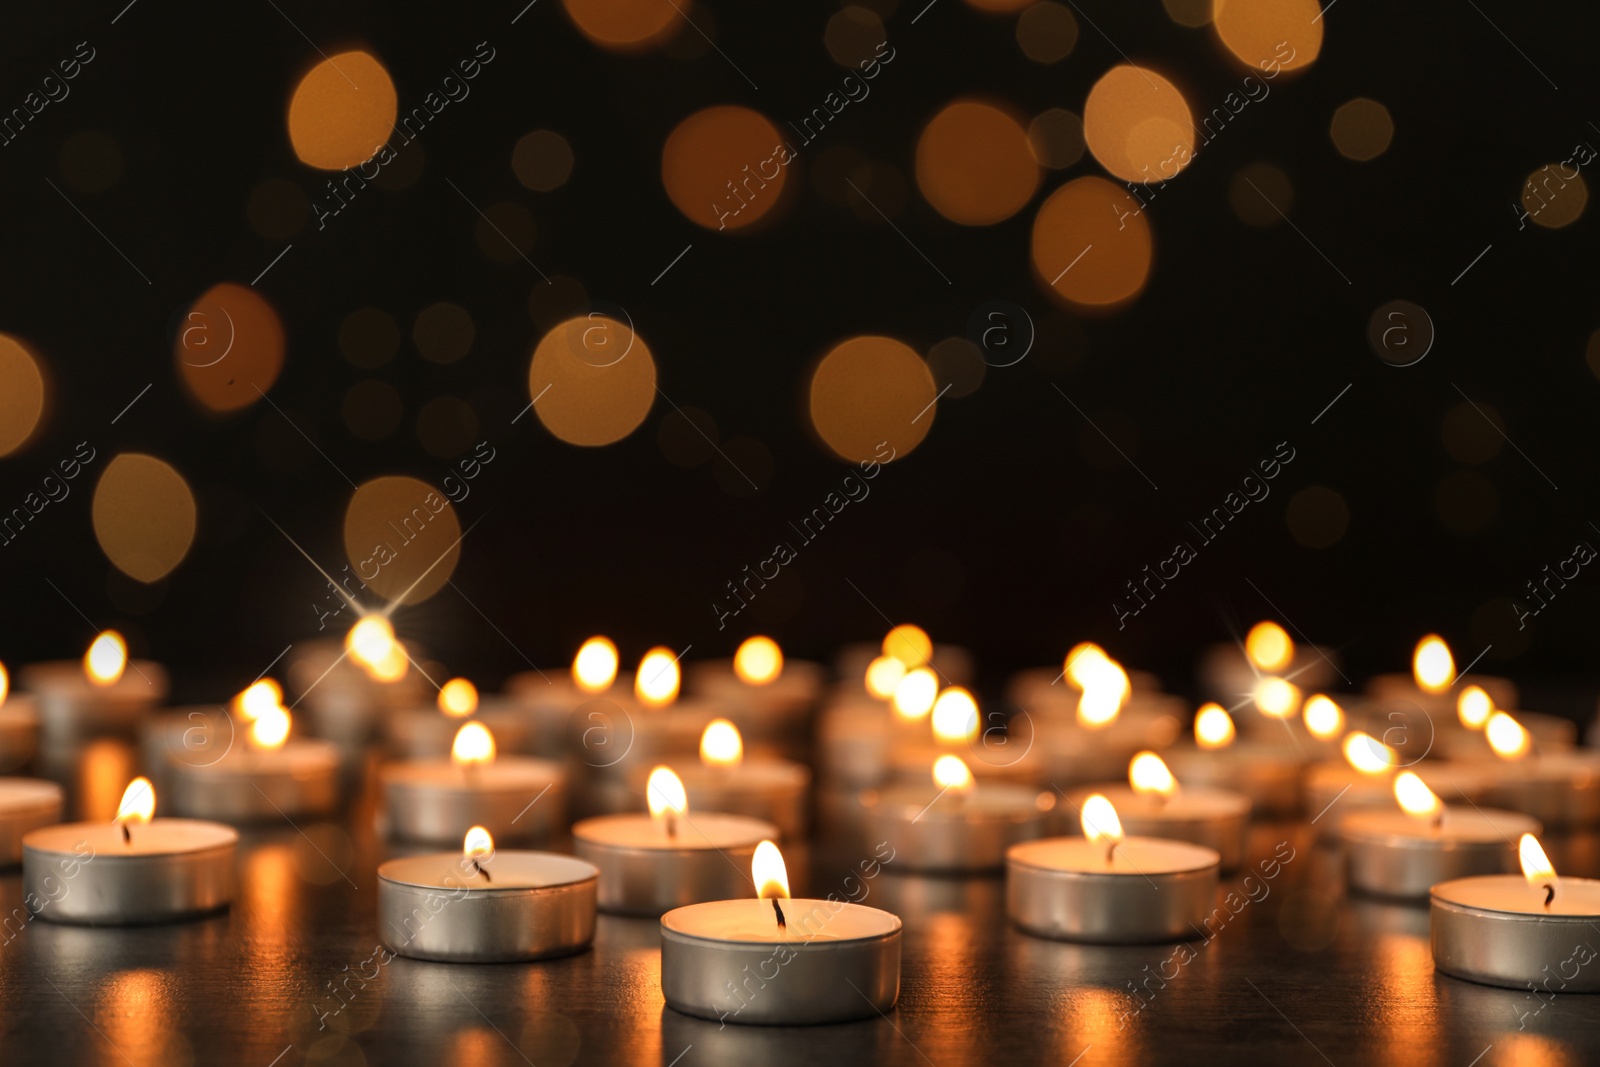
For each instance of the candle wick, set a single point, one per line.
(127, 838)
(479, 868)
(672, 825)
(1111, 847)
(1438, 819)
(783, 923)
(1549, 894)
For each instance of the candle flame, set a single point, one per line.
(1367, 754)
(257, 699)
(883, 676)
(270, 729)
(656, 682)
(914, 696)
(1432, 664)
(392, 667)
(478, 842)
(138, 802)
(769, 873)
(1105, 689)
(955, 716)
(758, 661)
(665, 795)
(370, 641)
(1507, 736)
(1082, 662)
(950, 772)
(1099, 820)
(106, 659)
(1149, 776)
(1474, 707)
(594, 668)
(721, 745)
(1277, 698)
(5, 683)
(1213, 727)
(1415, 798)
(458, 698)
(1324, 719)
(909, 644)
(1536, 867)
(1268, 647)
(473, 744)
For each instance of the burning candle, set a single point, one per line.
(484, 905)
(348, 689)
(551, 699)
(105, 693)
(1153, 806)
(1106, 726)
(135, 869)
(1105, 888)
(427, 732)
(957, 824)
(1266, 771)
(1433, 680)
(774, 960)
(910, 646)
(1233, 671)
(855, 732)
(953, 727)
(773, 790)
(515, 797)
(19, 725)
(1518, 931)
(25, 804)
(1559, 788)
(768, 696)
(1406, 852)
(652, 863)
(1365, 778)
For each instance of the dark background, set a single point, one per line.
(1009, 530)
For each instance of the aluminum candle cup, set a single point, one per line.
(70, 706)
(344, 703)
(730, 961)
(1269, 774)
(426, 732)
(853, 742)
(550, 699)
(952, 663)
(1000, 763)
(775, 791)
(1558, 788)
(1072, 754)
(1334, 781)
(244, 785)
(643, 871)
(19, 732)
(1393, 854)
(1227, 673)
(515, 798)
(169, 869)
(1062, 888)
(1549, 733)
(25, 804)
(532, 905)
(1495, 929)
(1217, 820)
(1442, 706)
(943, 830)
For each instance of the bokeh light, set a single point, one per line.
(1138, 125)
(402, 537)
(1056, 137)
(974, 164)
(872, 398)
(1317, 517)
(1046, 32)
(1258, 192)
(1262, 32)
(1091, 243)
(342, 111)
(21, 394)
(853, 35)
(624, 25)
(724, 167)
(592, 380)
(1361, 129)
(1553, 199)
(443, 332)
(542, 161)
(144, 516)
(229, 347)
(1190, 13)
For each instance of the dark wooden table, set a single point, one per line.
(1302, 974)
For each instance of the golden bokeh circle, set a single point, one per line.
(1553, 199)
(1137, 124)
(402, 537)
(974, 164)
(1091, 244)
(542, 160)
(229, 347)
(342, 111)
(1056, 136)
(1270, 35)
(853, 36)
(1361, 129)
(1258, 193)
(624, 25)
(144, 516)
(21, 394)
(592, 380)
(872, 398)
(723, 168)
(1047, 32)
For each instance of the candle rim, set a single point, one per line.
(793, 906)
(1202, 858)
(580, 871)
(1495, 825)
(222, 838)
(1439, 896)
(688, 841)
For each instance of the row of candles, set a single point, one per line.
(904, 758)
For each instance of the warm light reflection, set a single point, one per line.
(768, 872)
(138, 802)
(974, 165)
(883, 676)
(1367, 754)
(1324, 719)
(1536, 867)
(258, 699)
(1091, 243)
(342, 111)
(144, 516)
(721, 745)
(1138, 126)
(955, 716)
(106, 659)
(664, 794)
(656, 681)
(270, 729)
(1277, 698)
(1415, 798)
(1099, 819)
(458, 697)
(1270, 35)
(594, 668)
(950, 772)
(1474, 707)
(1149, 775)
(5, 683)
(1432, 664)
(908, 643)
(1268, 647)
(1213, 727)
(1507, 736)
(758, 661)
(370, 641)
(914, 696)
(477, 842)
(474, 744)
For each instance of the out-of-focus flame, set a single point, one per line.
(656, 683)
(477, 842)
(950, 772)
(883, 676)
(270, 729)
(1324, 719)
(1473, 707)
(1536, 867)
(1277, 698)
(914, 696)
(370, 641)
(1507, 736)
(138, 802)
(721, 745)
(1367, 754)
(1432, 664)
(258, 699)
(1414, 796)
(1268, 647)
(392, 667)
(1105, 690)
(5, 683)
(1213, 727)
(1149, 776)
(955, 716)
(594, 668)
(665, 795)
(1082, 663)
(758, 661)
(909, 644)
(769, 873)
(474, 744)
(458, 698)
(1099, 819)
(106, 659)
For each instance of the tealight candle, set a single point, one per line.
(106, 693)
(1363, 780)
(25, 804)
(1105, 888)
(427, 732)
(1108, 726)
(1433, 676)
(1405, 853)
(136, 869)
(515, 797)
(767, 696)
(958, 824)
(955, 724)
(486, 906)
(652, 863)
(1152, 805)
(19, 725)
(551, 700)
(347, 690)
(1233, 671)
(854, 737)
(1518, 931)
(910, 646)
(1475, 710)
(1560, 788)
(1267, 772)
(1038, 688)
(777, 961)
(774, 790)
(269, 776)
